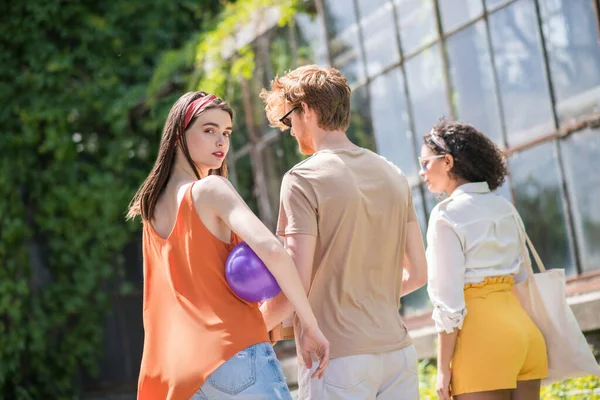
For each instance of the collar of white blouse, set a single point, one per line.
(471, 187)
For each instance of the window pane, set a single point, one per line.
(346, 55)
(311, 40)
(360, 131)
(427, 91)
(493, 3)
(504, 190)
(457, 12)
(520, 68)
(368, 7)
(580, 152)
(379, 34)
(418, 300)
(339, 15)
(416, 20)
(391, 121)
(420, 210)
(415, 302)
(538, 198)
(344, 45)
(574, 55)
(475, 98)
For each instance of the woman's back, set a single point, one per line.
(193, 322)
(486, 229)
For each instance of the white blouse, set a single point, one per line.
(473, 234)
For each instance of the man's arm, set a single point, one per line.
(415, 264)
(301, 248)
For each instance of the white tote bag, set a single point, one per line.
(543, 297)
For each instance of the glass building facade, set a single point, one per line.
(524, 72)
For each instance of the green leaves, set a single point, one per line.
(217, 54)
(86, 88)
(587, 387)
(578, 388)
(74, 147)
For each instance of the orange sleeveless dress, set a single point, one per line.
(193, 322)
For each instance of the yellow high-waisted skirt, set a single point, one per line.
(498, 344)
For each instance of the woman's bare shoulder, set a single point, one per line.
(213, 190)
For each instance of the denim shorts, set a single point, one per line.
(252, 374)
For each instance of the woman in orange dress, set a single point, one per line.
(201, 340)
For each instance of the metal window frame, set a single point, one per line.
(563, 186)
(559, 133)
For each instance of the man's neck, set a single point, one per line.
(332, 140)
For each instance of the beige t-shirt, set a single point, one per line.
(357, 204)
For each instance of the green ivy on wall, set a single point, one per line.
(77, 138)
(85, 89)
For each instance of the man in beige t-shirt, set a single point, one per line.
(347, 218)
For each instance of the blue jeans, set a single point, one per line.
(252, 374)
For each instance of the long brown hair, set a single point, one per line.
(144, 201)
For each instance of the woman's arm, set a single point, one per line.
(446, 279)
(446, 275)
(301, 248)
(218, 194)
(446, 344)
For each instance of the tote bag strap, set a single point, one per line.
(526, 242)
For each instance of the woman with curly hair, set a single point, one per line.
(488, 347)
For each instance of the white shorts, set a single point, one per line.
(383, 376)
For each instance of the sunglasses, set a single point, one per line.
(286, 120)
(424, 161)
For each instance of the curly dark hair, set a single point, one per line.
(476, 157)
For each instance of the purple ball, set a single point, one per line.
(248, 277)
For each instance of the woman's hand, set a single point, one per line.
(446, 345)
(443, 384)
(312, 341)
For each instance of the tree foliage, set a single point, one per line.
(83, 101)
(86, 87)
